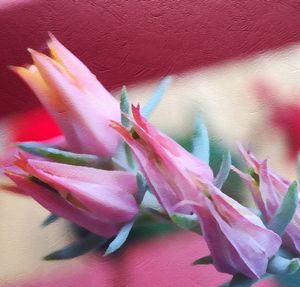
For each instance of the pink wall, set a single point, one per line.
(128, 41)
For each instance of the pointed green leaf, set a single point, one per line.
(142, 187)
(203, 261)
(223, 171)
(240, 280)
(120, 239)
(156, 98)
(185, 221)
(200, 140)
(63, 156)
(281, 265)
(77, 248)
(50, 219)
(286, 211)
(125, 107)
(130, 159)
(150, 202)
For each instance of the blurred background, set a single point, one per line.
(235, 62)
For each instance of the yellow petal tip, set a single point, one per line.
(16, 69)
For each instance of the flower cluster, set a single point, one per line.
(95, 183)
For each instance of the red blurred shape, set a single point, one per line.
(35, 125)
(282, 114)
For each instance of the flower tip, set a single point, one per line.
(20, 161)
(115, 125)
(7, 172)
(135, 108)
(35, 54)
(11, 174)
(52, 41)
(13, 68)
(19, 70)
(51, 36)
(30, 50)
(120, 129)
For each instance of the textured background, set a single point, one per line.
(125, 42)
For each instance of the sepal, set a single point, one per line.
(223, 171)
(77, 248)
(203, 260)
(156, 97)
(120, 239)
(125, 107)
(200, 142)
(49, 219)
(185, 221)
(286, 211)
(66, 157)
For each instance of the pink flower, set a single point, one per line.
(281, 114)
(268, 190)
(237, 239)
(80, 105)
(165, 164)
(99, 200)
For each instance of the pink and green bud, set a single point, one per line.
(238, 240)
(269, 190)
(98, 200)
(77, 101)
(165, 164)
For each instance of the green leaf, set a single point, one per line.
(224, 170)
(185, 221)
(142, 187)
(204, 260)
(63, 156)
(50, 219)
(200, 141)
(77, 248)
(281, 265)
(120, 239)
(130, 159)
(240, 280)
(286, 211)
(150, 202)
(156, 98)
(125, 107)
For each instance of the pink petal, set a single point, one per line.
(118, 179)
(105, 202)
(226, 230)
(166, 147)
(161, 175)
(78, 70)
(269, 196)
(55, 204)
(106, 194)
